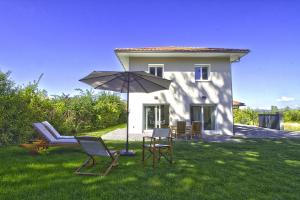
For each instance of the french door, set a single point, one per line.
(206, 114)
(156, 116)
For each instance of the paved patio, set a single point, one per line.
(120, 134)
(241, 131)
(246, 131)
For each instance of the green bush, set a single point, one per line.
(21, 106)
(108, 110)
(245, 116)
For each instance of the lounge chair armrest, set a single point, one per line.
(32, 140)
(149, 137)
(66, 137)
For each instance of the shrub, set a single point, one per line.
(21, 106)
(245, 116)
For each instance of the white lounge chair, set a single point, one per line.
(55, 133)
(46, 139)
(49, 139)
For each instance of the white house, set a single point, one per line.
(201, 88)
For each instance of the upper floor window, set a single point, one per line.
(202, 72)
(156, 70)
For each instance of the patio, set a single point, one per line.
(241, 131)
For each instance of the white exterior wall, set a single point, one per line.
(184, 91)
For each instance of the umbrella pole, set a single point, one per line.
(127, 152)
(127, 133)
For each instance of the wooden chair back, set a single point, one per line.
(181, 127)
(196, 128)
(161, 132)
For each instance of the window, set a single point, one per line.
(202, 72)
(156, 70)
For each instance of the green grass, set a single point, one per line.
(103, 131)
(291, 126)
(254, 169)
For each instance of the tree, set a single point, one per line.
(274, 109)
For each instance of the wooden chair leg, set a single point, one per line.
(154, 156)
(159, 154)
(143, 154)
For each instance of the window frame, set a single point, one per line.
(208, 72)
(157, 65)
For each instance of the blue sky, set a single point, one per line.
(66, 40)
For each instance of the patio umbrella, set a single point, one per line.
(126, 82)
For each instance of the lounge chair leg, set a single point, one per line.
(83, 165)
(113, 164)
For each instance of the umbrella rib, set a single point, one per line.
(83, 79)
(142, 86)
(123, 87)
(145, 74)
(117, 76)
(151, 81)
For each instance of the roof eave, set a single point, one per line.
(124, 55)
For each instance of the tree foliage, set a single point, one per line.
(21, 106)
(250, 116)
(291, 115)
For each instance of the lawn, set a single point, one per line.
(253, 169)
(101, 132)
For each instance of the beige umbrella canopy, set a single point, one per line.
(126, 82)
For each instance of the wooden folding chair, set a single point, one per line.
(94, 146)
(160, 145)
(181, 129)
(196, 129)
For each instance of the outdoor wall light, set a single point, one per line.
(203, 97)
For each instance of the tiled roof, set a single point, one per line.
(181, 49)
(237, 103)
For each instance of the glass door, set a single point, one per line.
(150, 117)
(164, 116)
(156, 116)
(209, 117)
(205, 114)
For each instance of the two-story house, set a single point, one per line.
(201, 88)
